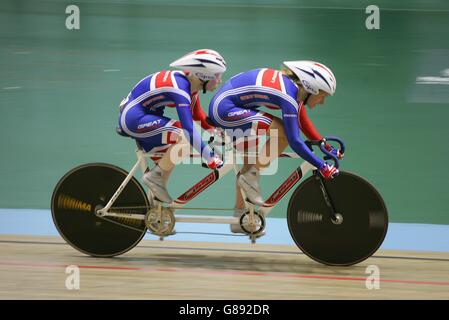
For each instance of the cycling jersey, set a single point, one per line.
(235, 106)
(141, 115)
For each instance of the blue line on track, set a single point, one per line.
(401, 236)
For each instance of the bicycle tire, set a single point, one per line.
(83, 190)
(362, 231)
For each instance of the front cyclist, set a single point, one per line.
(236, 104)
(142, 114)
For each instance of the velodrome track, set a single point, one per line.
(34, 267)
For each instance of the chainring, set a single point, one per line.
(256, 227)
(160, 222)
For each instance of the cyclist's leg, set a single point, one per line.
(174, 149)
(178, 148)
(274, 146)
(275, 135)
(244, 125)
(155, 134)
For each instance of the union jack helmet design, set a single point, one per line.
(204, 64)
(314, 76)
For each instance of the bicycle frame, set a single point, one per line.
(311, 209)
(202, 185)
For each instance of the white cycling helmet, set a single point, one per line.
(314, 76)
(204, 64)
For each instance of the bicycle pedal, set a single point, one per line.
(260, 234)
(254, 237)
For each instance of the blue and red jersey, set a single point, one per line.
(272, 89)
(165, 89)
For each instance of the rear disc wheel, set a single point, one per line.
(88, 188)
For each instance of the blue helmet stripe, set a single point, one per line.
(309, 73)
(321, 76)
(208, 61)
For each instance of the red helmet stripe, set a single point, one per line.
(320, 65)
(205, 52)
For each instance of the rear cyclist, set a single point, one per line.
(235, 106)
(142, 114)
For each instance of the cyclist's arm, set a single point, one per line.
(185, 117)
(182, 101)
(307, 126)
(310, 131)
(291, 128)
(198, 113)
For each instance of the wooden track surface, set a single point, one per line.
(35, 268)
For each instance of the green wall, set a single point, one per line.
(64, 111)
